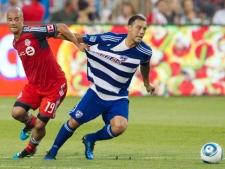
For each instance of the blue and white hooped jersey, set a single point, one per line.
(111, 64)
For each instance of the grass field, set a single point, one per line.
(163, 133)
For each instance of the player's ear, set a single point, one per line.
(129, 27)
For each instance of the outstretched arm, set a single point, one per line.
(78, 36)
(145, 71)
(65, 33)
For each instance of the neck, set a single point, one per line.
(130, 43)
(17, 35)
(83, 13)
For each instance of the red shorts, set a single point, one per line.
(48, 102)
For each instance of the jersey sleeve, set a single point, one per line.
(92, 39)
(147, 58)
(95, 38)
(44, 31)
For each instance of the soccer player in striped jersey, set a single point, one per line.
(112, 62)
(47, 86)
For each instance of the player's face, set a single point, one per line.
(15, 22)
(137, 30)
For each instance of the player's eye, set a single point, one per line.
(138, 27)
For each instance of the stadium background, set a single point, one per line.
(187, 59)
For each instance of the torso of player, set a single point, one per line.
(111, 65)
(40, 66)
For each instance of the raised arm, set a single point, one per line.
(65, 33)
(145, 71)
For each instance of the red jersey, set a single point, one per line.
(33, 12)
(40, 66)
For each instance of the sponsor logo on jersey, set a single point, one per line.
(30, 51)
(93, 38)
(50, 28)
(78, 114)
(119, 61)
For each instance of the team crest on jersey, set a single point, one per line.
(27, 42)
(93, 38)
(78, 114)
(30, 51)
(123, 58)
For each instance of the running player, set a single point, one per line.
(112, 62)
(47, 86)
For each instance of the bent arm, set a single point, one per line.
(79, 37)
(66, 34)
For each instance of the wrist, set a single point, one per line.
(146, 84)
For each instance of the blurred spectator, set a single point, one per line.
(205, 10)
(218, 4)
(93, 15)
(157, 16)
(6, 6)
(127, 10)
(84, 11)
(68, 14)
(189, 16)
(47, 6)
(34, 12)
(173, 11)
(9, 4)
(106, 11)
(219, 16)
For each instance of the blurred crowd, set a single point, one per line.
(118, 11)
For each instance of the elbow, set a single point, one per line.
(61, 27)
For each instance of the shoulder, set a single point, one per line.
(144, 48)
(26, 29)
(220, 12)
(112, 36)
(41, 28)
(60, 12)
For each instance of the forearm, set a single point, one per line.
(65, 33)
(79, 37)
(145, 71)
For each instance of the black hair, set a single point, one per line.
(68, 3)
(83, 4)
(134, 18)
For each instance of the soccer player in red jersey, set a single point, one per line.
(47, 86)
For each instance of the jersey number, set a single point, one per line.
(50, 107)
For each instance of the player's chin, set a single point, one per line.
(138, 40)
(14, 30)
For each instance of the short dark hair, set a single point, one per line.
(134, 18)
(83, 4)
